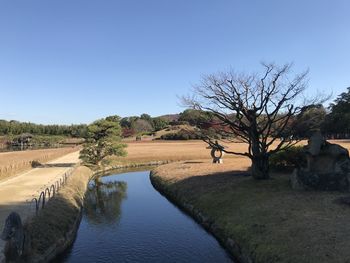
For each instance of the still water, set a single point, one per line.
(126, 220)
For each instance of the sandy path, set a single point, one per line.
(17, 191)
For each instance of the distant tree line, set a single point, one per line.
(333, 121)
(16, 128)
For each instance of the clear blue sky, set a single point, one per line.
(73, 61)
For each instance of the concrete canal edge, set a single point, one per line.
(208, 223)
(54, 229)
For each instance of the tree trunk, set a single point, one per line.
(260, 167)
(259, 156)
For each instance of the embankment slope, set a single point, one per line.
(54, 228)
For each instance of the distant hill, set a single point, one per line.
(170, 117)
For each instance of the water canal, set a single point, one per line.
(126, 220)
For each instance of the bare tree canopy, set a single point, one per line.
(257, 109)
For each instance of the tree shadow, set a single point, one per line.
(53, 165)
(210, 183)
(102, 203)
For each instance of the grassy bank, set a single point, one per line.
(259, 221)
(54, 228)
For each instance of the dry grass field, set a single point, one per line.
(138, 152)
(144, 151)
(12, 163)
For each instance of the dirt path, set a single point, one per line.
(17, 191)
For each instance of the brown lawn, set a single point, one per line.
(181, 150)
(172, 151)
(169, 150)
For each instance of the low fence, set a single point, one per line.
(50, 191)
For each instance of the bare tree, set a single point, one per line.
(258, 110)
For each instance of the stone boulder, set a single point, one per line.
(328, 167)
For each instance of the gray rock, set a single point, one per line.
(328, 167)
(315, 143)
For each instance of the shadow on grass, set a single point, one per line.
(53, 165)
(268, 219)
(211, 182)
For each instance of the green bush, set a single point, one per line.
(181, 135)
(174, 123)
(148, 133)
(288, 159)
(172, 136)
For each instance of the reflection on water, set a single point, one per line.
(126, 220)
(103, 200)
